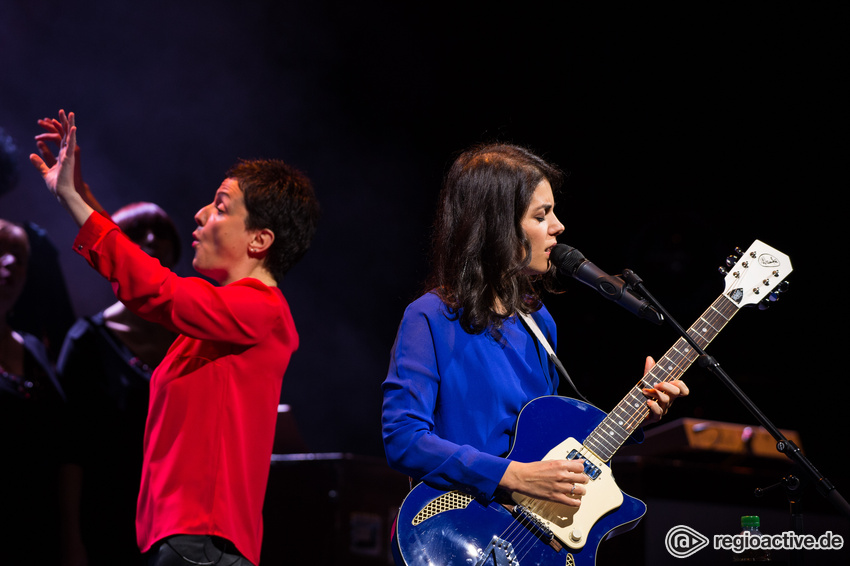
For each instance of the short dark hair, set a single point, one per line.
(281, 198)
(479, 249)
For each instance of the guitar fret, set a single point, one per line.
(604, 445)
(684, 349)
(611, 436)
(618, 425)
(716, 323)
(677, 364)
(707, 321)
(699, 336)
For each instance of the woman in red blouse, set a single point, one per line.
(213, 404)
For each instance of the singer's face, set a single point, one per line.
(541, 227)
(221, 238)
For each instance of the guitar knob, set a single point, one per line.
(576, 535)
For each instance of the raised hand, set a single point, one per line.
(54, 131)
(59, 176)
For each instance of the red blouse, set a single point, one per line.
(214, 397)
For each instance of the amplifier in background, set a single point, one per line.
(684, 437)
(330, 509)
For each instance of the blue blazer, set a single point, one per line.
(451, 399)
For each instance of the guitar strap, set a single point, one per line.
(562, 371)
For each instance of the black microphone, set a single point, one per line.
(569, 261)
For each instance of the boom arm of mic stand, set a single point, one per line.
(783, 445)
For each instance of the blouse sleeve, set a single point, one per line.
(411, 392)
(241, 313)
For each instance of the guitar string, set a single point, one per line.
(521, 543)
(672, 365)
(677, 360)
(527, 542)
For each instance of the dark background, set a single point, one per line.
(686, 132)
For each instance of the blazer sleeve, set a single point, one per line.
(411, 392)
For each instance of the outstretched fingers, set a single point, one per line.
(58, 171)
(42, 167)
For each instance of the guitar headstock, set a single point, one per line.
(757, 275)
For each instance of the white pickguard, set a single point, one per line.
(572, 524)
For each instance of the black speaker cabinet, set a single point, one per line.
(330, 509)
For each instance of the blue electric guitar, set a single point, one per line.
(439, 528)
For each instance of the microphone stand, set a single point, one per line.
(783, 445)
(793, 488)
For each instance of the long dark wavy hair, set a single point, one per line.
(479, 249)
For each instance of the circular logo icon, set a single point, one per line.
(682, 541)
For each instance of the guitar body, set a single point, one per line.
(439, 528)
(444, 528)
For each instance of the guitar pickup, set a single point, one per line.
(591, 469)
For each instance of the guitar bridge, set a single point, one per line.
(591, 469)
(536, 526)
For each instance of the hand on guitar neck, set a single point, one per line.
(562, 481)
(662, 395)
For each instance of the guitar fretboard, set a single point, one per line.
(629, 413)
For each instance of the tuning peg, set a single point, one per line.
(774, 295)
(722, 270)
(765, 304)
(731, 261)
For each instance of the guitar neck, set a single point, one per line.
(629, 413)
